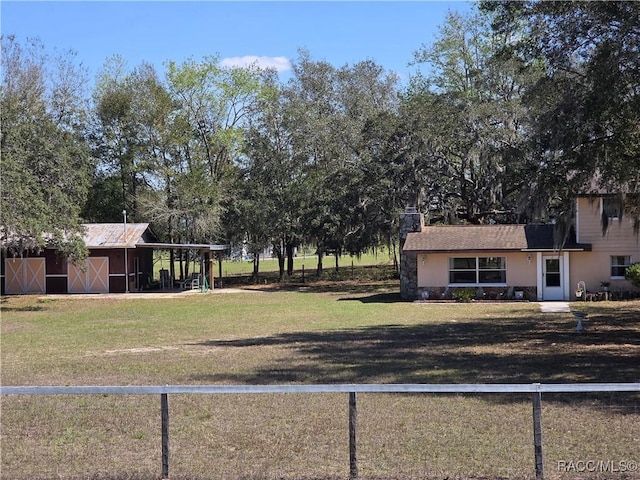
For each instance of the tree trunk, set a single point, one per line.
(172, 267)
(280, 253)
(337, 255)
(256, 267)
(290, 248)
(185, 262)
(396, 263)
(207, 269)
(319, 268)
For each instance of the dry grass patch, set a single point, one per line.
(354, 333)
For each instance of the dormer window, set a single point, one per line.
(611, 207)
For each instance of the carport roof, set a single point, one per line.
(187, 246)
(458, 238)
(112, 235)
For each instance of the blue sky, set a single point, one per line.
(236, 31)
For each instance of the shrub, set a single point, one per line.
(464, 295)
(633, 274)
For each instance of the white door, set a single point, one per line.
(552, 278)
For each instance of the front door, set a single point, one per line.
(552, 278)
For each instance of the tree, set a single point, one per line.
(365, 91)
(269, 208)
(587, 103)
(213, 105)
(469, 105)
(45, 160)
(327, 110)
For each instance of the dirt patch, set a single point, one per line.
(147, 295)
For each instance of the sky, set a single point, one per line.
(237, 32)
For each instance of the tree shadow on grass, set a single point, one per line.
(363, 290)
(388, 297)
(26, 308)
(509, 350)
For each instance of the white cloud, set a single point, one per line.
(280, 64)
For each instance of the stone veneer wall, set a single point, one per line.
(410, 221)
(479, 293)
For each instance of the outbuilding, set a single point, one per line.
(119, 261)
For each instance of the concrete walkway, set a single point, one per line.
(554, 307)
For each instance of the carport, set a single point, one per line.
(205, 252)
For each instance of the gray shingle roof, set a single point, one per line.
(453, 238)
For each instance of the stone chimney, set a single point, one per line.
(410, 221)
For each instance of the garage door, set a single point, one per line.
(94, 278)
(25, 275)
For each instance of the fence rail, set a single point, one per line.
(536, 389)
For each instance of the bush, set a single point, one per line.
(633, 274)
(464, 295)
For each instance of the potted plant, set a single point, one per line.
(605, 285)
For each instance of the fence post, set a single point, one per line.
(353, 425)
(537, 432)
(164, 407)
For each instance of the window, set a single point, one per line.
(477, 270)
(611, 207)
(619, 265)
(462, 270)
(552, 272)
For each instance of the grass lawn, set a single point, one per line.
(349, 332)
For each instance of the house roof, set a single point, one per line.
(456, 238)
(111, 235)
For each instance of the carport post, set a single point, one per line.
(126, 260)
(203, 273)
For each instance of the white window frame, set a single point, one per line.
(477, 271)
(617, 265)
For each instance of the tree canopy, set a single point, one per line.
(514, 109)
(586, 105)
(45, 159)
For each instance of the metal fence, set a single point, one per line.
(535, 389)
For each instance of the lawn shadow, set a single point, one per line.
(388, 297)
(355, 289)
(546, 349)
(26, 308)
